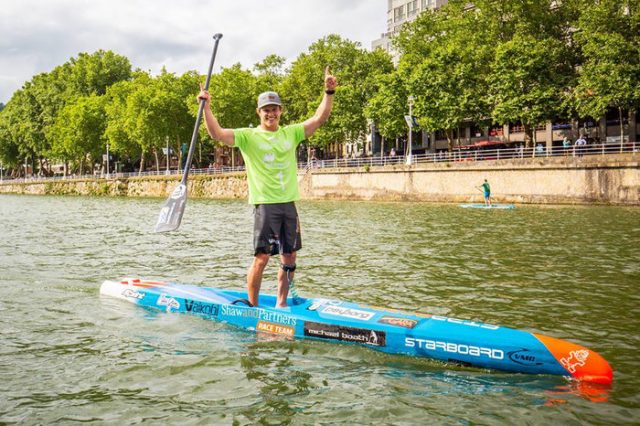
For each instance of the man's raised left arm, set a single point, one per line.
(324, 109)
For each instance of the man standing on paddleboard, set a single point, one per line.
(487, 193)
(269, 153)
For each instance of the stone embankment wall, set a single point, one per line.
(611, 179)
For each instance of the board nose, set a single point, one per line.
(580, 363)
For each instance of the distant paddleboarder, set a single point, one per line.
(486, 189)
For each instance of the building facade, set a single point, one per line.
(399, 12)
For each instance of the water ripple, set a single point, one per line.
(69, 355)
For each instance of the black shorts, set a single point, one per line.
(276, 229)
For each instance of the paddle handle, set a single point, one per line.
(194, 137)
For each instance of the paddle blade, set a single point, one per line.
(171, 214)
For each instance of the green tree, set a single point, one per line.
(23, 131)
(270, 73)
(168, 110)
(387, 107)
(10, 147)
(39, 103)
(146, 111)
(92, 74)
(529, 77)
(79, 131)
(609, 77)
(119, 122)
(445, 61)
(234, 95)
(356, 71)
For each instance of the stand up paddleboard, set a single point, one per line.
(452, 340)
(484, 206)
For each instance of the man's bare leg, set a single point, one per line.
(283, 282)
(254, 277)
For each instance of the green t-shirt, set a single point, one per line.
(270, 158)
(486, 188)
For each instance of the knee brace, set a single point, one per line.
(288, 268)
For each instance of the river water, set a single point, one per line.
(68, 355)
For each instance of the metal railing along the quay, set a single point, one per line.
(456, 155)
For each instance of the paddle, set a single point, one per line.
(171, 214)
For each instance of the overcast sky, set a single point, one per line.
(38, 35)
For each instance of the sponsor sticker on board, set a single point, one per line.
(345, 334)
(257, 313)
(524, 357)
(272, 328)
(200, 308)
(398, 322)
(341, 311)
(132, 294)
(169, 302)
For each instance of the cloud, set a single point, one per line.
(36, 36)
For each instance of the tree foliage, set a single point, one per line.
(357, 72)
(609, 37)
(488, 62)
(528, 81)
(446, 66)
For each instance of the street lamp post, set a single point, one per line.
(166, 139)
(373, 132)
(410, 100)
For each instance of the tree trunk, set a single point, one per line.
(528, 135)
(449, 134)
(621, 130)
(155, 153)
(141, 164)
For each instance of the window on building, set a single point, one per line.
(398, 14)
(412, 8)
(428, 4)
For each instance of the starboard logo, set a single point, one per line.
(348, 313)
(435, 345)
(576, 359)
(169, 302)
(523, 357)
(200, 308)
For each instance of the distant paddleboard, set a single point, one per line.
(484, 206)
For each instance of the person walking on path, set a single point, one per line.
(486, 189)
(269, 152)
(580, 145)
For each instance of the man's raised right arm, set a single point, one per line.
(216, 131)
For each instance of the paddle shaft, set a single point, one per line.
(196, 129)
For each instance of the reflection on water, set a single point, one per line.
(68, 355)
